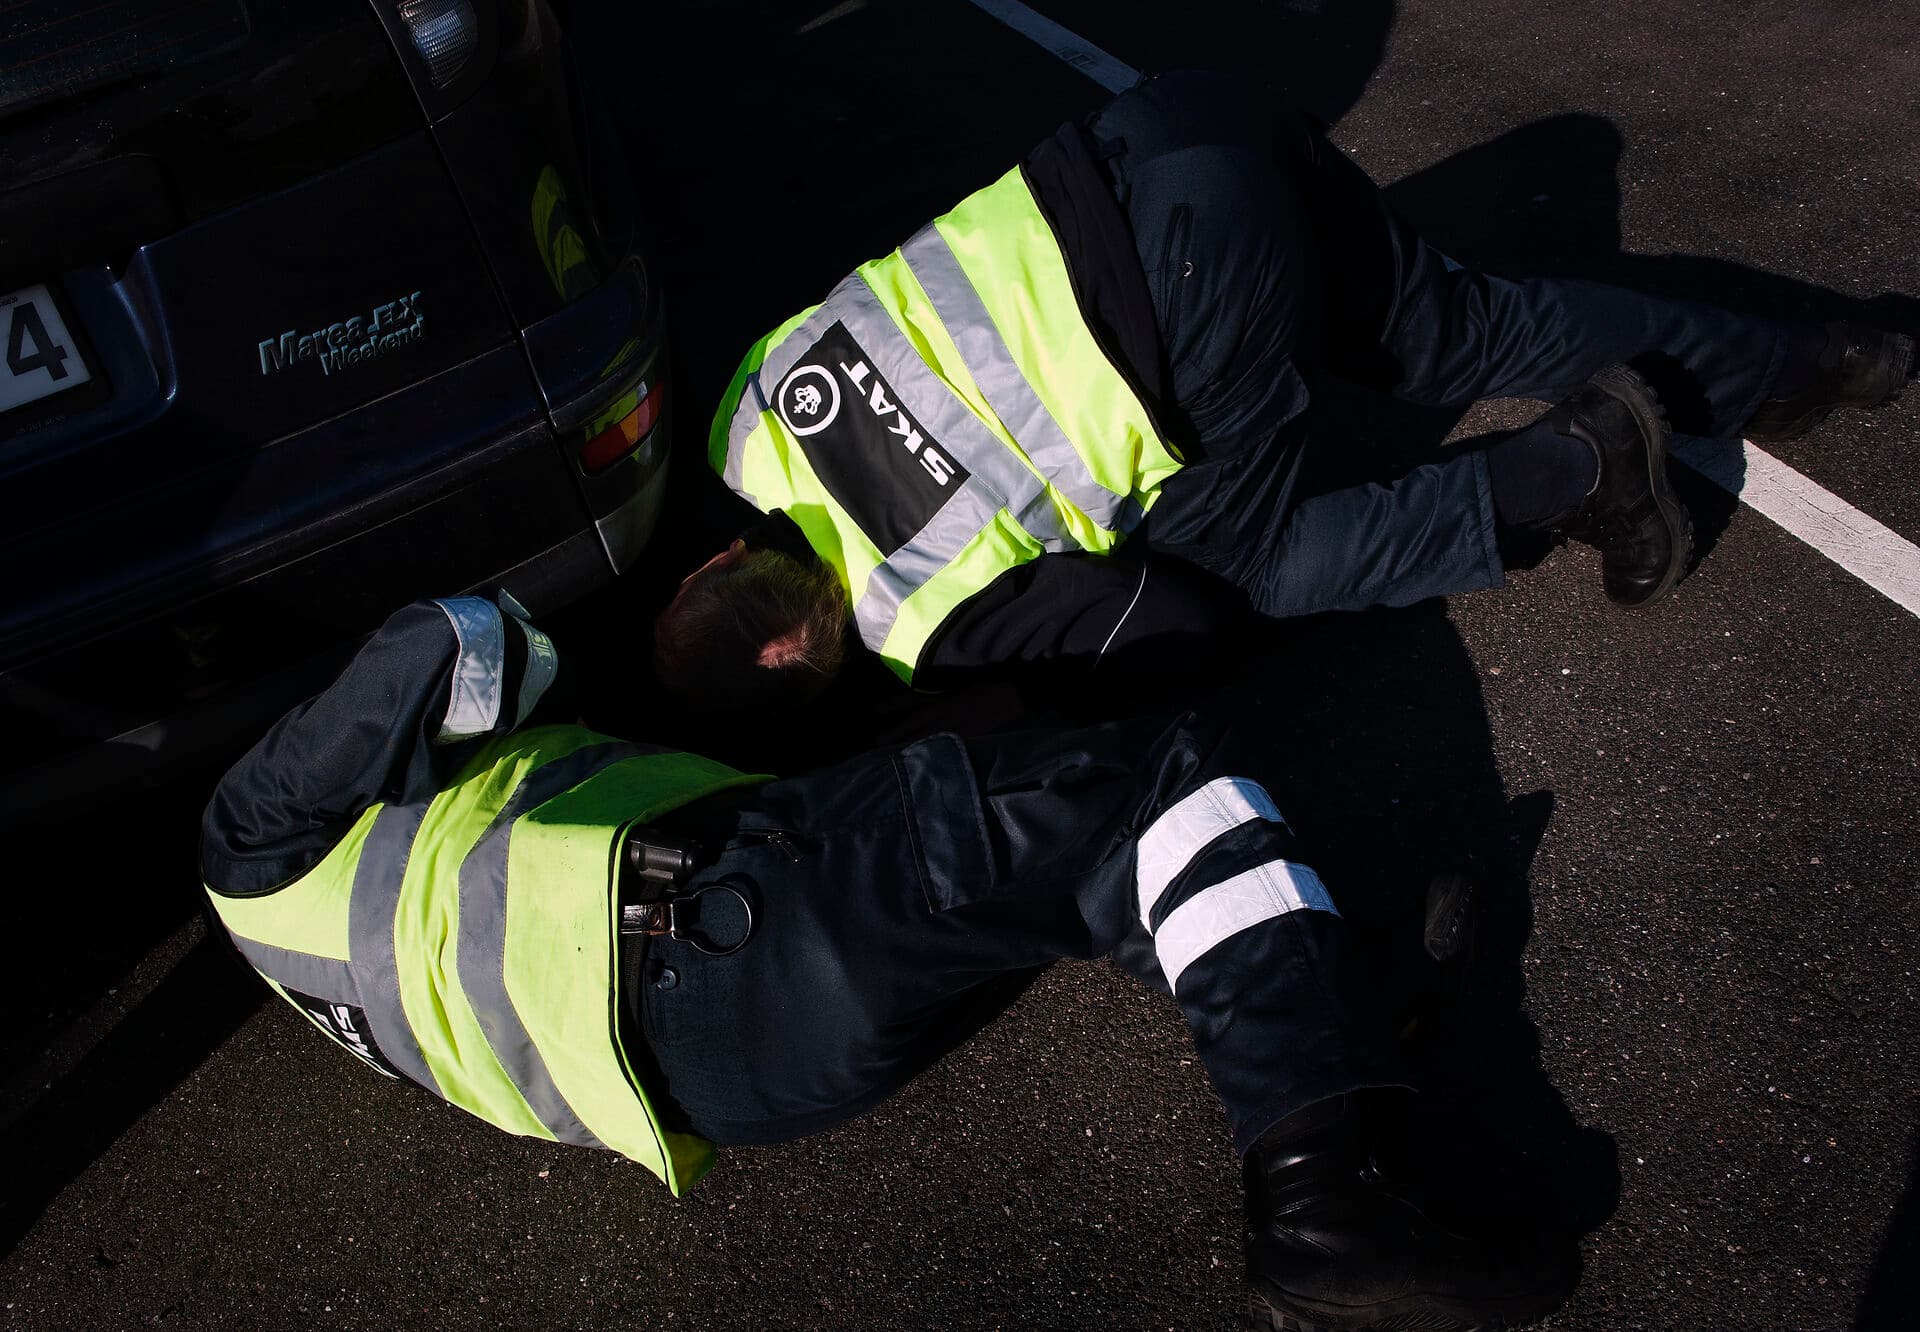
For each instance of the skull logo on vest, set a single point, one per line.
(809, 399)
(862, 443)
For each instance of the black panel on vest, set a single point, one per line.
(347, 1024)
(866, 448)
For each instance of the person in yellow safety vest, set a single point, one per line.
(607, 944)
(1018, 437)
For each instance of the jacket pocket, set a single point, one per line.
(945, 823)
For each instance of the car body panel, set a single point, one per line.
(349, 334)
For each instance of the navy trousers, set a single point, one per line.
(896, 896)
(1273, 262)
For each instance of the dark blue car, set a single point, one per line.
(306, 309)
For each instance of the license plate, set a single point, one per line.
(39, 356)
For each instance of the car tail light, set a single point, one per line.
(626, 434)
(444, 32)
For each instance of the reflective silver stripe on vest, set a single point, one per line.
(945, 417)
(376, 896)
(483, 940)
(932, 549)
(939, 411)
(325, 978)
(746, 415)
(999, 479)
(753, 396)
(998, 375)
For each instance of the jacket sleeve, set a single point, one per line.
(431, 685)
(1077, 612)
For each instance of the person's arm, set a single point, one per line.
(434, 682)
(1077, 612)
(1061, 613)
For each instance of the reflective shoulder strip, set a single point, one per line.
(780, 350)
(376, 896)
(474, 705)
(1184, 830)
(914, 565)
(999, 479)
(322, 977)
(944, 416)
(1217, 913)
(746, 415)
(941, 411)
(543, 664)
(483, 940)
(998, 376)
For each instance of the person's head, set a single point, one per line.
(751, 630)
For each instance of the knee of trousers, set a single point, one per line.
(1213, 877)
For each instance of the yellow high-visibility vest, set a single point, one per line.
(946, 414)
(471, 942)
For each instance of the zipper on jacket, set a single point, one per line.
(774, 837)
(1174, 268)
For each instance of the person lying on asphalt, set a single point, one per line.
(612, 945)
(1035, 430)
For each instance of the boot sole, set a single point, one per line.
(1898, 370)
(1626, 386)
(1268, 1311)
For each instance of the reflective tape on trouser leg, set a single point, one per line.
(1218, 911)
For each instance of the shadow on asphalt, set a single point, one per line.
(1379, 752)
(1893, 1283)
(1544, 200)
(1372, 733)
(78, 1074)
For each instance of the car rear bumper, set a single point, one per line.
(221, 649)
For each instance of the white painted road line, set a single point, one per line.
(1872, 552)
(1878, 556)
(1103, 69)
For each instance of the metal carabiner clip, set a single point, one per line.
(673, 921)
(664, 918)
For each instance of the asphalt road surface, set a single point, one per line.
(1692, 1029)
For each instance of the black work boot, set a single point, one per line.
(1858, 367)
(1633, 517)
(1335, 1243)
